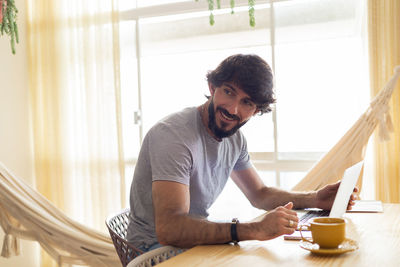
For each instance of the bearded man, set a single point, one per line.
(187, 158)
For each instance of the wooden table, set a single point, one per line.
(377, 234)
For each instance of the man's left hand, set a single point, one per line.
(326, 196)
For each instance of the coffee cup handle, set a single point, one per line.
(305, 227)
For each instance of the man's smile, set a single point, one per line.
(221, 122)
(227, 116)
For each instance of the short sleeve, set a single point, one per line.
(170, 158)
(243, 161)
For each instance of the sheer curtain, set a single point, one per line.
(75, 107)
(384, 47)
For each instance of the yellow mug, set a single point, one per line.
(325, 231)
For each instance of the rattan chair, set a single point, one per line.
(117, 225)
(155, 256)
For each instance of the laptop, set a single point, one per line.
(342, 197)
(343, 194)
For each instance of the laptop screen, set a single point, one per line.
(345, 190)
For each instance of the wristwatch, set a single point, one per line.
(234, 235)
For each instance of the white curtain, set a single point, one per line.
(75, 105)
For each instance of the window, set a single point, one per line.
(315, 47)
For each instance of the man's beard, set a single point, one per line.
(212, 125)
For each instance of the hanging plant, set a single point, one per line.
(251, 13)
(252, 3)
(8, 24)
(211, 8)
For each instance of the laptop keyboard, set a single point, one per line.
(312, 214)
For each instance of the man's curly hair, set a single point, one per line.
(251, 74)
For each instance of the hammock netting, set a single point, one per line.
(26, 214)
(351, 148)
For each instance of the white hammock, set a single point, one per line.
(24, 213)
(351, 147)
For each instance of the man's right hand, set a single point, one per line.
(279, 221)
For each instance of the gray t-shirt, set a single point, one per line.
(179, 148)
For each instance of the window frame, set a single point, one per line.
(275, 161)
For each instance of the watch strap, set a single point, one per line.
(234, 235)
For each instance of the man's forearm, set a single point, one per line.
(271, 197)
(188, 231)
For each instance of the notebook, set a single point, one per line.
(366, 206)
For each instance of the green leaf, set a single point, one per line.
(252, 19)
(211, 8)
(9, 24)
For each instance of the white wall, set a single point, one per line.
(15, 142)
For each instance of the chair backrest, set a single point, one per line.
(117, 225)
